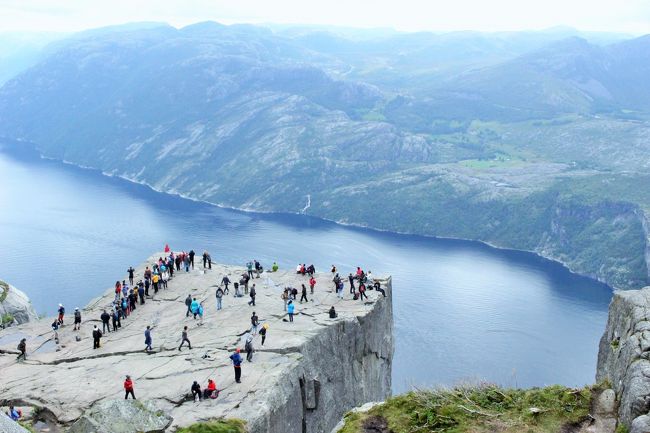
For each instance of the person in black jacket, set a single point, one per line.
(196, 390)
(97, 334)
(105, 321)
(188, 302)
(191, 254)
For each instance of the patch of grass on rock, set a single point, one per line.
(217, 426)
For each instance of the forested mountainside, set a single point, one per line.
(531, 140)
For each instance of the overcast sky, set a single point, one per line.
(630, 16)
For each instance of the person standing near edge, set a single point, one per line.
(128, 388)
(236, 362)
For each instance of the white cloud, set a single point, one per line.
(64, 15)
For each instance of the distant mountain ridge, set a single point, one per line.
(503, 138)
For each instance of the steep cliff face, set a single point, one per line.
(343, 366)
(308, 373)
(624, 356)
(15, 307)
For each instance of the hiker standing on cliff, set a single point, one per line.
(252, 295)
(236, 363)
(22, 348)
(285, 297)
(219, 295)
(312, 283)
(303, 295)
(205, 259)
(254, 323)
(184, 338)
(105, 321)
(249, 269)
(77, 319)
(351, 279)
(97, 334)
(362, 291)
(191, 256)
(248, 346)
(61, 314)
(225, 281)
(194, 307)
(188, 304)
(290, 310)
(128, 388)
(130, 271)
(147, 339)
(265, 328)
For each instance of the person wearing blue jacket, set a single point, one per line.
(290, 310)
(236, 363)
(194, 307)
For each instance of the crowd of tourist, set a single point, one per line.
(130, 296)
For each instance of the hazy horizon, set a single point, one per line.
(630, 17)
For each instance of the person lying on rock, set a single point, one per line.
(128, 388)
(210, 390)
(196, 391)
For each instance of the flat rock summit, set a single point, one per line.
(304, 378)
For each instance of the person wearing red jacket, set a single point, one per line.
(312, 283)
(128, 387)
(210, 390)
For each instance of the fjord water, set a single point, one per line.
(463, 311)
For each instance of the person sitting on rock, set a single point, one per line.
(275, 267)
(14, 414)
(332, 313)
(196, 391)
(236, 363)
(128, 388)
(210, 390)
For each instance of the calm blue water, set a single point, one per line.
(463, 311)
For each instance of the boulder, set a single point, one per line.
(15, 306)
(122, 416)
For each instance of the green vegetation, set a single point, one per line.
(218, 426)
(6, 319)
(4, 290)
(479, 409)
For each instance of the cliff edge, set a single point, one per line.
(624, 357)
(306, 376)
